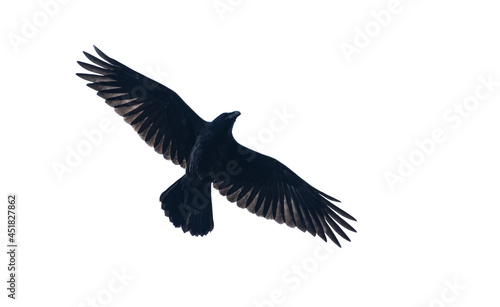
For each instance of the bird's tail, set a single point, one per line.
(189, 206)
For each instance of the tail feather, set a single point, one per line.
(189, 206)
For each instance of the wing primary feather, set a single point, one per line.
(107, 58)
(340, 211)
(103, 86)
(304, 212)
(95, 78)
(108, 95)
(98, 61)
(326, 195)
(310, 225)
(340, 220)
(312, 206)
(329, 231)
(336, 228)
(95, 69)
(320, 213)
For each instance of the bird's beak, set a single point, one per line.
(234, 115)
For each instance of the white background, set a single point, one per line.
(352, 123)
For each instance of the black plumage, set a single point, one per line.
(211, 156)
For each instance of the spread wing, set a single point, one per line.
(268, 188)
(157, 113)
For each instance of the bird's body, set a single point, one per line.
(210, 146)
(211, 156)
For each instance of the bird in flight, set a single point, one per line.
(211, 156)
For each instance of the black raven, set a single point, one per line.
(210, 155)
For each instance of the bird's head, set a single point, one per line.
(225, 122)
